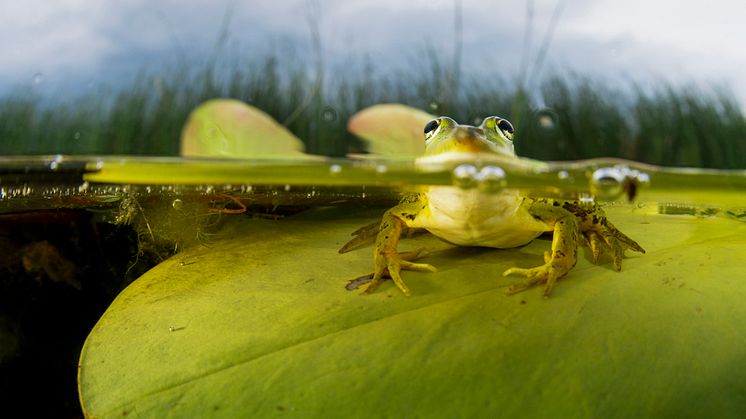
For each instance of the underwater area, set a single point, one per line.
(201, 239)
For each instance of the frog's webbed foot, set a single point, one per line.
(562, 257)
(547, 274)
(606, 239)
(389, 265)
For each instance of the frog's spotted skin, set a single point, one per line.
(500, 220)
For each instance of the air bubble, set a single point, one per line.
(465, 176)
(611, 182)
(491, 179)
(335, 169)
(76, 136)
(606, 183)
(177, 204)
(382, 168)
(563, 174)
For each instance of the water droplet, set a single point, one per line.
(37, 79)
(335, 169)
(382, 168)
(562, 174)
(329, 115)
(546, 119)
(177, 204)
(433, 106)
(76, 136)
(491, 179)
(287, 188)
(465, 176)
(55, 164)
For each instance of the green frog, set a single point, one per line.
(504, 219)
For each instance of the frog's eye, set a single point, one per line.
(503, 127)
(431, 128)
(506, 127)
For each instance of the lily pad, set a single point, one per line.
(391, 130)
(259, 324)
(229, 128)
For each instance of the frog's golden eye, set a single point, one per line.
(501, 126)
(506, 127)
(431, 128)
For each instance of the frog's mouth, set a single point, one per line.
(473, 140)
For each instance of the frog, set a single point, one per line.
(504, 219)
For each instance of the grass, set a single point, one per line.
(580, 117)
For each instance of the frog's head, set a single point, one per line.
(444, 135)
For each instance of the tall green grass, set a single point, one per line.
(577, 118)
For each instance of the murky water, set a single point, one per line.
(36, 183)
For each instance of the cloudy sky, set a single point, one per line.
(68, 46)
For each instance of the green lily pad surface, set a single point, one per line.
(259, 324)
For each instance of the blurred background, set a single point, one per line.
(658, 82)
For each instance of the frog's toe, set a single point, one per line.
(413, 254)
(390, 265)
(611, 242)
(421, 267)
(544, 274)
(374, 283)
(597, 244)
(392, 271)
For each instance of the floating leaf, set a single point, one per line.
(391, 130)
(260, 325)
(229, 128)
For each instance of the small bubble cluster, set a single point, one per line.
(488, 178)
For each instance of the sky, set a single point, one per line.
(69, 47)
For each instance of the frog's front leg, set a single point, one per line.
(564, 252)
(388, 261)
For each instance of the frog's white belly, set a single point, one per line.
(469, 217)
